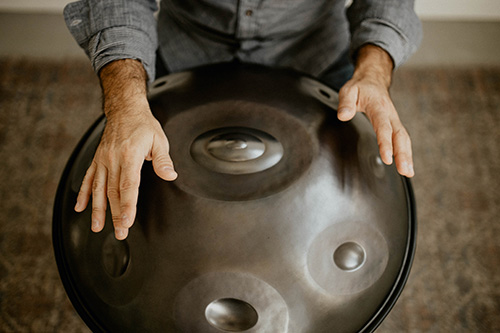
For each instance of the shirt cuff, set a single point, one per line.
(385, 35)
(114, 44)
(109, 31)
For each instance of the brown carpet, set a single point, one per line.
(452, 114)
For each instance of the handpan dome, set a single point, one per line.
(282, 219)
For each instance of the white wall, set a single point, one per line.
(470, 10)
(427, 9)
(33, 6)
(456, 32)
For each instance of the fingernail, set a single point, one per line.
(77, 206)
(125, 220)
(95, 225)
(171, 170)
(168, 167)
(407, 168)
(342, 112)
(412, 171)
(387, 158)
(173, 173)
(121, 233)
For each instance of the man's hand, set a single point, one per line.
(368, 92)
(131, 135)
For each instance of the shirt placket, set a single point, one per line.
(247, 23)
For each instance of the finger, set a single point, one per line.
(130, 178)
(348, 99)
(83, 197)
(113, 193)
(99, 202)
(403, 151)
(383, 130)
(121, 233)
(162, 163)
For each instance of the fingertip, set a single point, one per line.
(411, 170)
(82, 201)
(411, 173)
(407, 170)
(121, 233)
(127, 221)
(345, 114)
(386, 157)
(172, 174)
(166, 173)
(96, 226)
(164, 166)
(78, 207)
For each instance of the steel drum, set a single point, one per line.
(282, 219)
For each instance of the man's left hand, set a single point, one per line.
(368, 92)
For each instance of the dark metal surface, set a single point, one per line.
(282, 219)
(236, 150)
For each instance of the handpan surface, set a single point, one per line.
(282, 219)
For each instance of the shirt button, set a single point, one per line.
(75, 22)
(249, 12)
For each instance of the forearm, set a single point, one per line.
(124, 84)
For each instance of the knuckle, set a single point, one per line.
(89, 175)
(125, 206)
(346, 88)
(97, 186)
(103, 155)
(164, 160)
(400, 132)
(109, 157)
(402, 155)
(83, 193)
(98, 210)
(401, 135)
(128, 205)
(125, 152)
(129, 184)
(113, 192)
(383, 131)
(129, 150)
(116, 220)
(86, 184)
(385, 127)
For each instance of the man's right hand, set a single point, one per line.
(131, 135)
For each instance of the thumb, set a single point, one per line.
(348, 98)
(162, 163)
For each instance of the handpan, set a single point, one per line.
(282, 219)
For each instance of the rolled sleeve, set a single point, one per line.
(113, 30)
(389, 24)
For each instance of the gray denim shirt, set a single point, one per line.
(307, 35)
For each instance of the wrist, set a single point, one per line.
(124, 87)
(374, 63)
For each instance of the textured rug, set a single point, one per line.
(452, 114)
